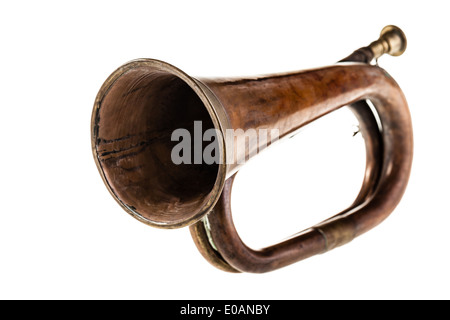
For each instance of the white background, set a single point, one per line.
(62, 236)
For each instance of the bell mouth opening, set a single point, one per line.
(155, 173)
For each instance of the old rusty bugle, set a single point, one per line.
(145, 108)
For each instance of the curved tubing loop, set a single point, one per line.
(389, 158)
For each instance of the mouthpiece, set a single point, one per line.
(392, 41)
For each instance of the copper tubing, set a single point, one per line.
(328, 89)
(369, 130)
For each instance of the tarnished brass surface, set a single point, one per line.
(392, 41)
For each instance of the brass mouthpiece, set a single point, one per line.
(392, 41)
